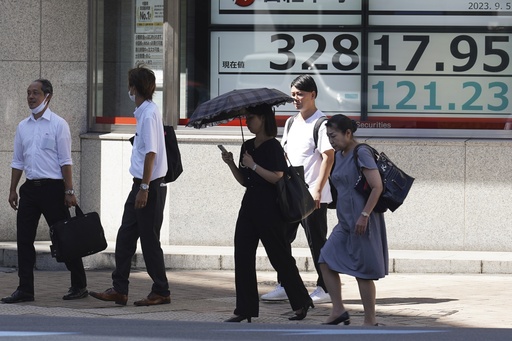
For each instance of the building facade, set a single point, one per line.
(430, 85)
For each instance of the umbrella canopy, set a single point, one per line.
(232, 104)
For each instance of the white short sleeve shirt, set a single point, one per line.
(149, 137)
(300, 148)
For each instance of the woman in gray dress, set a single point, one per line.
(357, 245)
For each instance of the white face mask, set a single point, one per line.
(40, 107)
(132, 97)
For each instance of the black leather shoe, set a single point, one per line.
(17, 297)
(75, 294)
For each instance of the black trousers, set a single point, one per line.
(315, 227)
(36, 198)
(144, 223)
(259, 219)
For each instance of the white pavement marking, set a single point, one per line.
(377, 331)
(19, 334)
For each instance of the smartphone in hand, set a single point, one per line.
(221, 147)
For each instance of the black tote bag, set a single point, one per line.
(77, 237)
(295, 201)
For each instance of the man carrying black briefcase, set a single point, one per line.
(42, 149)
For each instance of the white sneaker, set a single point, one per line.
(278, 294)
(320, 296)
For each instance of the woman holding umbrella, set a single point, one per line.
(262, 164)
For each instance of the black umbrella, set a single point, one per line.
(232, 104)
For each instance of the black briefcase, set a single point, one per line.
(77, 237)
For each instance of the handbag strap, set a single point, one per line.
(68, 215)
(286, 155)
(373, 150)
(316, 128)
(291, 168)
(78, 211)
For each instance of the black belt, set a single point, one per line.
(139, 181)
(42, 182)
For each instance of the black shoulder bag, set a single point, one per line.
(396, 183)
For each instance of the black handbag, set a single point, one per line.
(396, 183)
(295, 201)
(77, 237)
(174, 165)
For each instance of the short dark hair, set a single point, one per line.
(144, 80)
(269, 118)
(46, 85)
(305, 83)
(342, 123)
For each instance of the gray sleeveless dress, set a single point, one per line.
(364, 256)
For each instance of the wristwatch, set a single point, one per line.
(70, 192)
(144, 187)
(365, 214)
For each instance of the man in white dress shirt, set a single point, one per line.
(42, 149)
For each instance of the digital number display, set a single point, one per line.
(440, 53)
(455, 73)
(450, 95)
(274, 59)
(440, 5)
(489, 6)
(390, 64)
(343, 58)
(271, 52)
(441, 13)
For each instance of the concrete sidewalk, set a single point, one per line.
(424, 289)
(411, 300)
(221, 258)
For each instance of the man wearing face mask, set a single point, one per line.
(42, 149)
(144, 207)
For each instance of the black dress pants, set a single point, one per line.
(47, 198)
(315, 227)
(259, 219)
(144, 223)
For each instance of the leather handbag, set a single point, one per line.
(77, 237)
(295, 201)
(396, 183)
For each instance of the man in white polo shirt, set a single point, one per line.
(317, 159)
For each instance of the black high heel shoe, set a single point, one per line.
(345, 318)
(303, 312)
(239, 318)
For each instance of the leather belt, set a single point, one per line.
(139, 181)
(42, 182)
